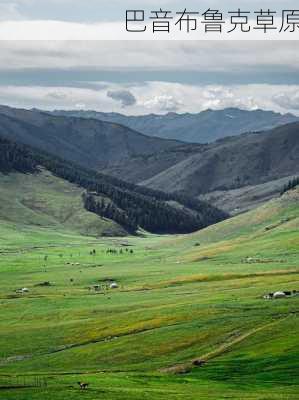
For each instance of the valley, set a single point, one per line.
(149, 200)
(258, 161)
(179, 299)
(139, 267)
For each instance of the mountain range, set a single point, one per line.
(87, 142)
(234, 173)
(130, 206)
(204, 127)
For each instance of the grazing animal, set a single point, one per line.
(47, 283)
(199, 363)
(268, 296)
(83, 386)
(287, 293)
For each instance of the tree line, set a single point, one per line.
(290, 185)
(129, 205)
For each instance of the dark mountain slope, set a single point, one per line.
(204, 127)
(143, 167)
(248, 159)
(90, 143)
(228, 164)
(128, 205)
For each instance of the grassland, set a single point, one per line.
(43, 200)
(180, 299)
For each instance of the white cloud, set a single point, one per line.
(56, 95)
(189, 59)
(163, 103)
(288, 100)
(156, 97)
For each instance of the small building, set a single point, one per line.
(113, 285)
(279, 295)
(22, 290)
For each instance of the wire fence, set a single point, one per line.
(15, 382)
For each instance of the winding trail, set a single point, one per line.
(222, 349)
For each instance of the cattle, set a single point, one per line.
(47, 283)
(268, 296)
(199, 363)
(83, 386)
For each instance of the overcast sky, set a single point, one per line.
(113, 10)
(145, 76)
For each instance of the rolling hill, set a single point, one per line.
(180, 300)
(83, 190)
(204, 127)
(234, 162)
(46, 201)
(235, 173)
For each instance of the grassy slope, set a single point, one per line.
(47, 201)
(177, 301)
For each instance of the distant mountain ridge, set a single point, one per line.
(234, 162)
(204, 127)
(234, 173)
(212, 171)
(89, 142)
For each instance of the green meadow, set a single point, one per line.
(179, 299)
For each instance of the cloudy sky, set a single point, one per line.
(113, 10)
(138, 77)
(96, 19)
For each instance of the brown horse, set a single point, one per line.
(83, 386)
